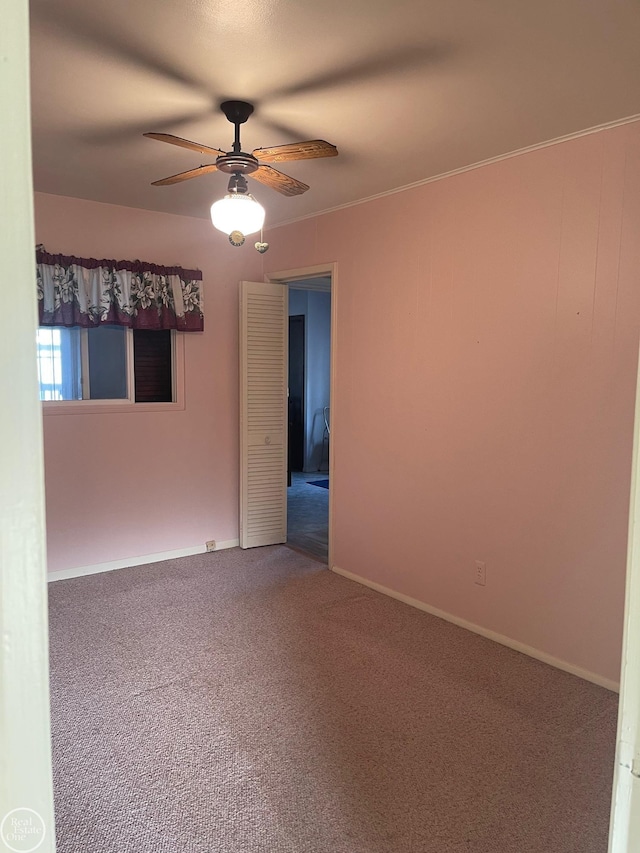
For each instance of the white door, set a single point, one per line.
(263, 413)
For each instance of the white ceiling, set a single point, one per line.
(406, 89)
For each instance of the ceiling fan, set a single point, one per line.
(237, 163)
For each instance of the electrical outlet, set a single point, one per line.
(210, 545)
(481, 573)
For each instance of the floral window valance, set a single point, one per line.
(86, 292)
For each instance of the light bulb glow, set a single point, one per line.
(237, 212)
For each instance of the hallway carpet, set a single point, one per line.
(254, 702)
(324, 484)
(308, 516)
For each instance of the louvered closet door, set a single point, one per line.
(263, 413)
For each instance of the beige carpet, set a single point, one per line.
(256, 702)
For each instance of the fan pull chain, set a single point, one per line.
(262, 246)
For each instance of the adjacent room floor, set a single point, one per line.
(254, 702)
(308, 515)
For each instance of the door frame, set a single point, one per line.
(624, 826)
(299, 274)
(25, 740)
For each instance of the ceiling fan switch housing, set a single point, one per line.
(237, 184)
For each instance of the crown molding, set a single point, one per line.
(471, 167)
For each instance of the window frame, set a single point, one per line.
(128, 404)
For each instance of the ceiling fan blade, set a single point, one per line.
(89, 28)
(279, 181)
(184, 176)
(405, 59)
(296, 151)
(124, 131)
(184, 143)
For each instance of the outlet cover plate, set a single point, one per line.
(481, 573)
(210, 545)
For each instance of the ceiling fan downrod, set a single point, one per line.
(236, 162)
(237, 112)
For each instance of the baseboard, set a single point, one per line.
(129, 562)
(484, 632)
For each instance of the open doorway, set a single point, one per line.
(309, 425)
(264, 414)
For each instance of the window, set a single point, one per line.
(152, 366)
(106, 363)
(59, 372)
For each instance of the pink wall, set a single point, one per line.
(124, 485)
(487, 341)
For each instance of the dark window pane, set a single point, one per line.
(152, 366)
(107, 363)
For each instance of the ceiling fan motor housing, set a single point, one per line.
(233, 162)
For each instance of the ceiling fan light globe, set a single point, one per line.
(237, 212)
